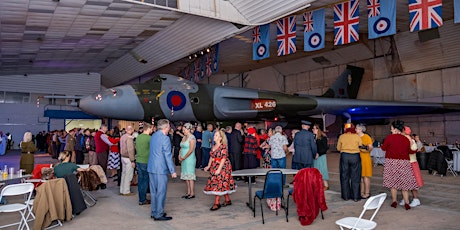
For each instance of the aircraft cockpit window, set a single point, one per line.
(159, 79)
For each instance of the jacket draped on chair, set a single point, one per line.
(308, 195)
(52, 202)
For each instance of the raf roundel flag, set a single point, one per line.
(381, 18)
(260, 42)
(314, 27)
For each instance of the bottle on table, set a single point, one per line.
(5, 171)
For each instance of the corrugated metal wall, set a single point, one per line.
(441, 52)
(167, 46)
(65, 84)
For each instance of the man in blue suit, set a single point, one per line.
(160, 164)
(305, 147)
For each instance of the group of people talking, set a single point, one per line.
(401, 170)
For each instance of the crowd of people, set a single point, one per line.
(154, 152)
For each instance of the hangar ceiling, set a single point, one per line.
(107, 36)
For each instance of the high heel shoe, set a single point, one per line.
(407, 206)
(365, 195)
(215, 207)
(394, 204)
(185, 196)
(227, 203)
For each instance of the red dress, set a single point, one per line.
(222, 183)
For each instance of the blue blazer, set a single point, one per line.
(305, 147)
(160, 157)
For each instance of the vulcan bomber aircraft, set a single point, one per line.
(178, 99)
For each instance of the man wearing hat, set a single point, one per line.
(305, 147)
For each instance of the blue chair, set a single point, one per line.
(273, 188)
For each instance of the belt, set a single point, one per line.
(217, 159)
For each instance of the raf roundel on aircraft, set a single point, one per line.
(176, 100)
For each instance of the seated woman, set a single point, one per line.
(65, 167)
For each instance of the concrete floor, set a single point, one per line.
(440, 207)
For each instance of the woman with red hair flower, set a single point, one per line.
(350, 163)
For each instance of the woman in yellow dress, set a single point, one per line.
(366, 161)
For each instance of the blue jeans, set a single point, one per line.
(280, 163)
(142, 181)
(205, 158)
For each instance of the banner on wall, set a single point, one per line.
(202, 66)
(381, 18)
(346, 22)
(425, 14)
(286, 35)
(261, 42)
(456, 11)
(314, 30)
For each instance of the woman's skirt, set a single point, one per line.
(321, 165)
(114, 160)
(366, 165)
(398, 174)
(417, 173)
(27, 162)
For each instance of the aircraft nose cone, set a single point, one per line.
(119, 103)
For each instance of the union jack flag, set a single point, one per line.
(373, 8)
(308, 21)
(256, 34)
(208, 65)
(286, 33)
(197, 71)
(425, 14)
(346, 22)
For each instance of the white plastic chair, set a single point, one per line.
(450, 166)
(16, 190)
(374, 202)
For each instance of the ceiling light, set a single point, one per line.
(208, 50)
(137, 57)
(195, 55)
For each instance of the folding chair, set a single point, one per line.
(16, 190)
(37, 180)
(89, 199)
(273, 188)
(378, 156)
(373, 202)
(450, 166)
(308, 193)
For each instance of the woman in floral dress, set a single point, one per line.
(220, 182)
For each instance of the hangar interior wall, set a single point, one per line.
(27, 115)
